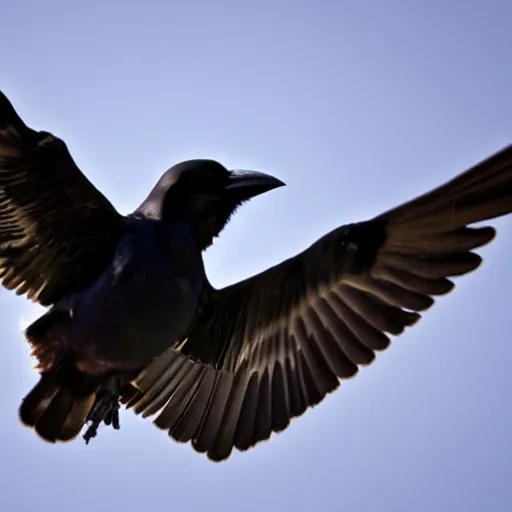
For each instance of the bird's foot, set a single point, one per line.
(106, 409)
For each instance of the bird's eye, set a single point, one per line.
(214, 178)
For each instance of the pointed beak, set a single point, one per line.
(247, 184)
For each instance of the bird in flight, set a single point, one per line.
(132, 319)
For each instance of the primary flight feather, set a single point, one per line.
(132, 318)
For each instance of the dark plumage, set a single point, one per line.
(133, 319)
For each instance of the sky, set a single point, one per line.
(357, 106)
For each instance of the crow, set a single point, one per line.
(133, 321)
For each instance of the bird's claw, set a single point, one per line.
(106, 410)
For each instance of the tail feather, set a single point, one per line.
(55, 410)
(51, 422)
(59, 404)
(38, 400)
(77, 417)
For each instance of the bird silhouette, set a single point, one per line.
(132, 319)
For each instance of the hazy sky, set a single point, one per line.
(356, 106)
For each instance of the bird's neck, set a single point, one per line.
(198, 232)
(179, 235)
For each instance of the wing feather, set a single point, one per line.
(57, 231)
(277, 343)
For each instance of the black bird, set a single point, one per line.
(132, 318)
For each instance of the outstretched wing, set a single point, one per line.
(57, 231)
(265, 349)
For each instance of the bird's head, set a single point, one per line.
(205, 193)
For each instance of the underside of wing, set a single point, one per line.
(267, 348)
(57, 231)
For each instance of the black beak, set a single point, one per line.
(247, 184)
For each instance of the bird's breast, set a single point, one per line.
(142, 303)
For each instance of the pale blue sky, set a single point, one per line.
(357, 106)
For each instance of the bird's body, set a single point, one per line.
(153, 267)
(132, 317)
(144, 300)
